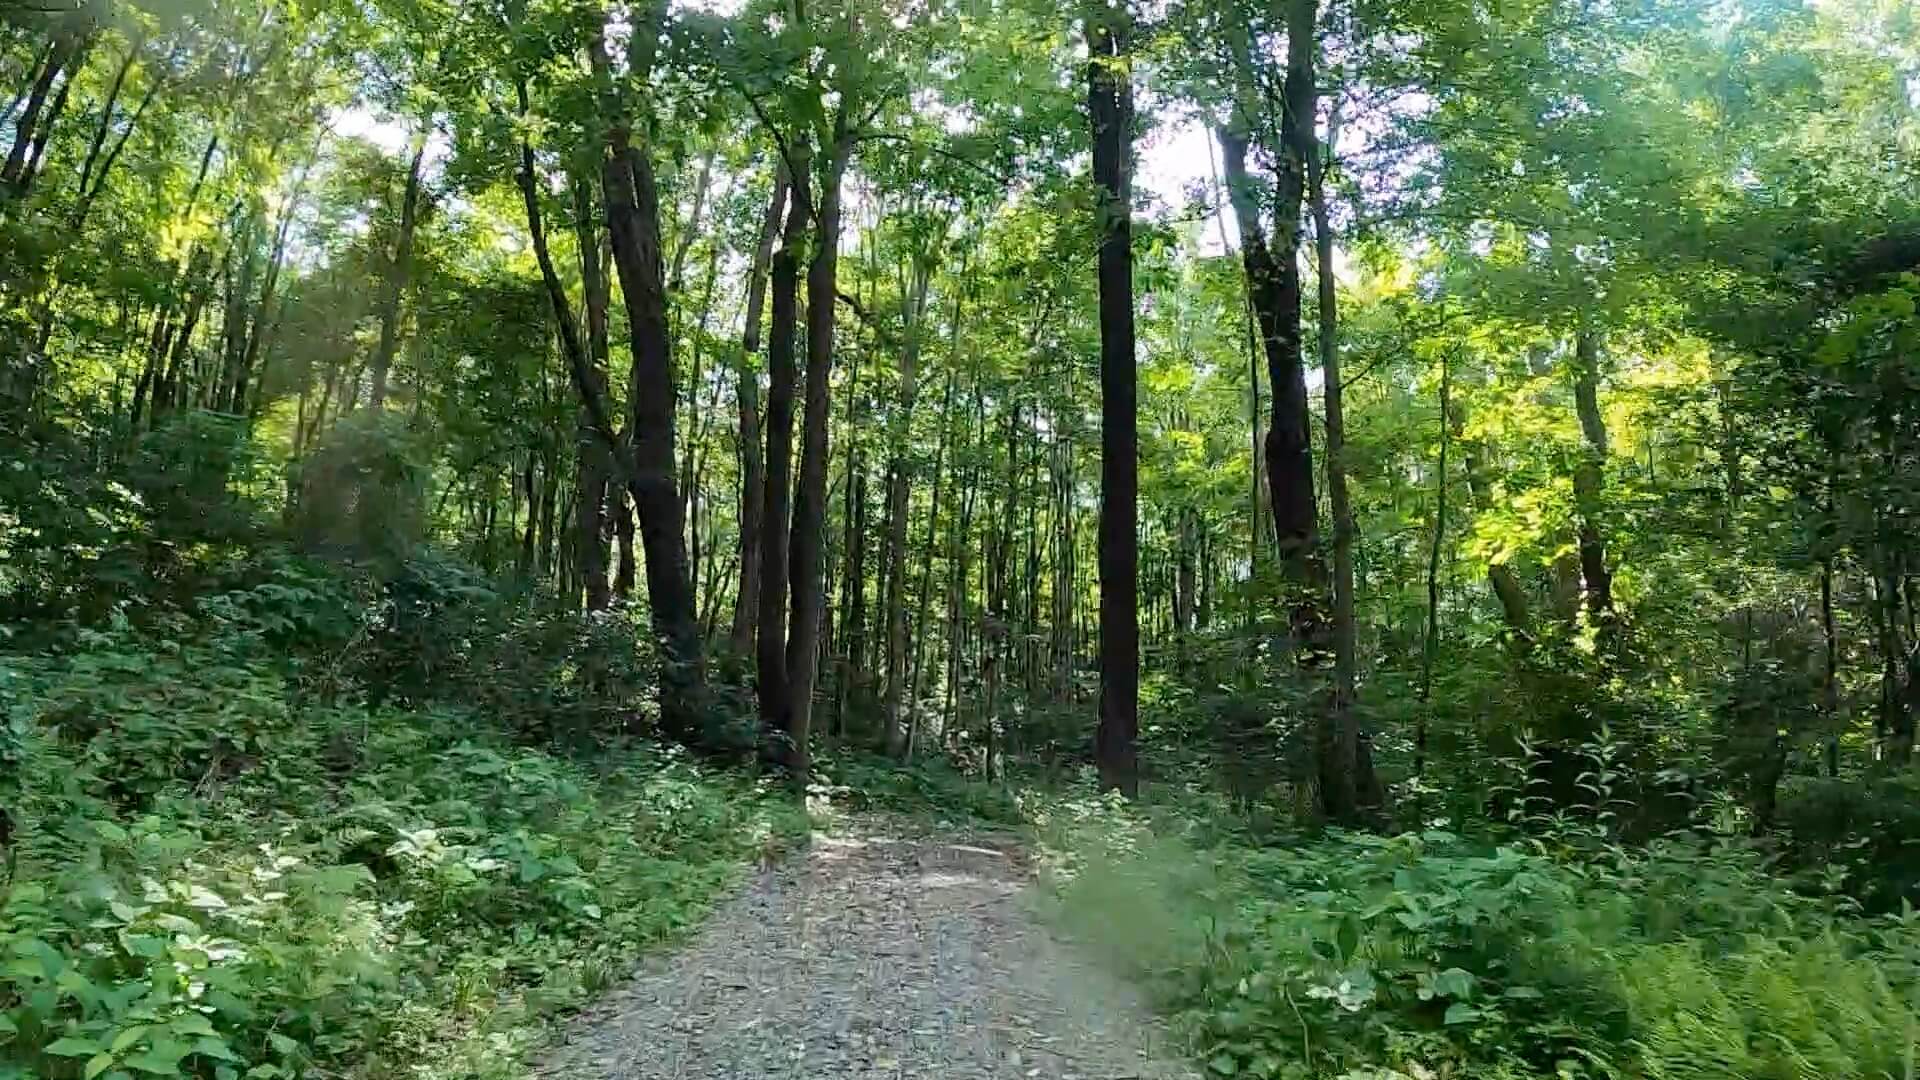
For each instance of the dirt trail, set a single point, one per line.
(876, 953)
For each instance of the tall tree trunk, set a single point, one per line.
(810, 497)
(106, 111)
(633, 221)
(676, 276)
(770, 650)
(752, 459)
(853, 621)
(594, 459)
(276, 257)
(1588, 481)
(691, 462)
(33, 73)
(1500, 576)
(624, 570)
(1430, 646)
(396, 283)
(523, 565)
(1347, 780)
(959, 574)
(1110, 107)
(1897, 682)
(899, 495)
(597, 445)
(30, 126)
(926, 558)
(1273, 283)
(83, 207)
(235, 323)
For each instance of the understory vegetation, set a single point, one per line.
(318, 820)
(1541, 949)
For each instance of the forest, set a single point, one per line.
(1409, 508)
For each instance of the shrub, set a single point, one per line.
(1435, 955)
(211, 875)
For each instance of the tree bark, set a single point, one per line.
(594, 459)
(1110, 108)
(810, 497)
(926, 557)
(899, 494)
(28, 127)
(771, 646)
(396, 282)
(276, 258)
(1348, 784)
(633, 222)
(1589, 480)
(1273, 283)
(106, 112)
(1430, 646)
(752, 459)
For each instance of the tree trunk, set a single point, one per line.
(770, 649)
(633, 221)
(1588, 481)
(899, 495)
(1347, 780)
(1110, 106)
(933, 527)
(594, 459)
(13, 174)
(106, 112)
(625, 569)
(1273, 283)
(1896, 719)
(810, 497)
(1430, 646)
(1500, 576)
(853, 620)
(597, 445)
(276, 257)
(396, 282)
(752, 459)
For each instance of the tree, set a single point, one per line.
(1110, 110)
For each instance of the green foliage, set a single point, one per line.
(930, 786)
(213, 875)
(1433, 954)
(362, 492)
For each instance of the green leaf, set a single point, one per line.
(96, 1065)
(214, 1047)
(1348, 938)
(1454, 983)
(191, 1024)
(283, 1044)
(72, 1046)
(1461, 1013)
(1224, 1064)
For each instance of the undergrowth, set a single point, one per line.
(214, 870)
(1509, 954)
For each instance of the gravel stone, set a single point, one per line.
(879, 952)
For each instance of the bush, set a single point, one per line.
(210, 874)
(1433, 955)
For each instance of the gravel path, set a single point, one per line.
(876, 953)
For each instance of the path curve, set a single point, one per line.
(877, 953)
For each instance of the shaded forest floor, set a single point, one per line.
(881, 951)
